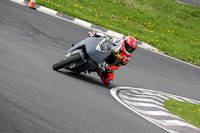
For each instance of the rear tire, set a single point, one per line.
(65, 62)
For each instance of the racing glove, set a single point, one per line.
(91, 34)
(95, 34)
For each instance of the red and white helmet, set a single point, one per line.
(129, 45)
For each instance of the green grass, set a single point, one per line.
(170, 26)
(186, 110)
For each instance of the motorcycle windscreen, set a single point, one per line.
(98, 48)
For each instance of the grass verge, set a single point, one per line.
(186, 110)
(170, 26)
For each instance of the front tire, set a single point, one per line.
(65, 62)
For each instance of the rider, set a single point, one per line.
(121, 56)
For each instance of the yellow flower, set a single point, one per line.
(76, 5)
(151, 31)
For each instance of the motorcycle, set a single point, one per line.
(88, 55)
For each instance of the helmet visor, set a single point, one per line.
(128, 47)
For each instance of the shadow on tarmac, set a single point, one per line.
(87, 79)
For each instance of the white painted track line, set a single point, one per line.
(176, 123)
(140, 99)
(143, 104)
(164, 119)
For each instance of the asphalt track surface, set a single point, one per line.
(34, 98)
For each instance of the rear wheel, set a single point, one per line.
(65, 62)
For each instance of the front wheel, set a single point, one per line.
(65, 62)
